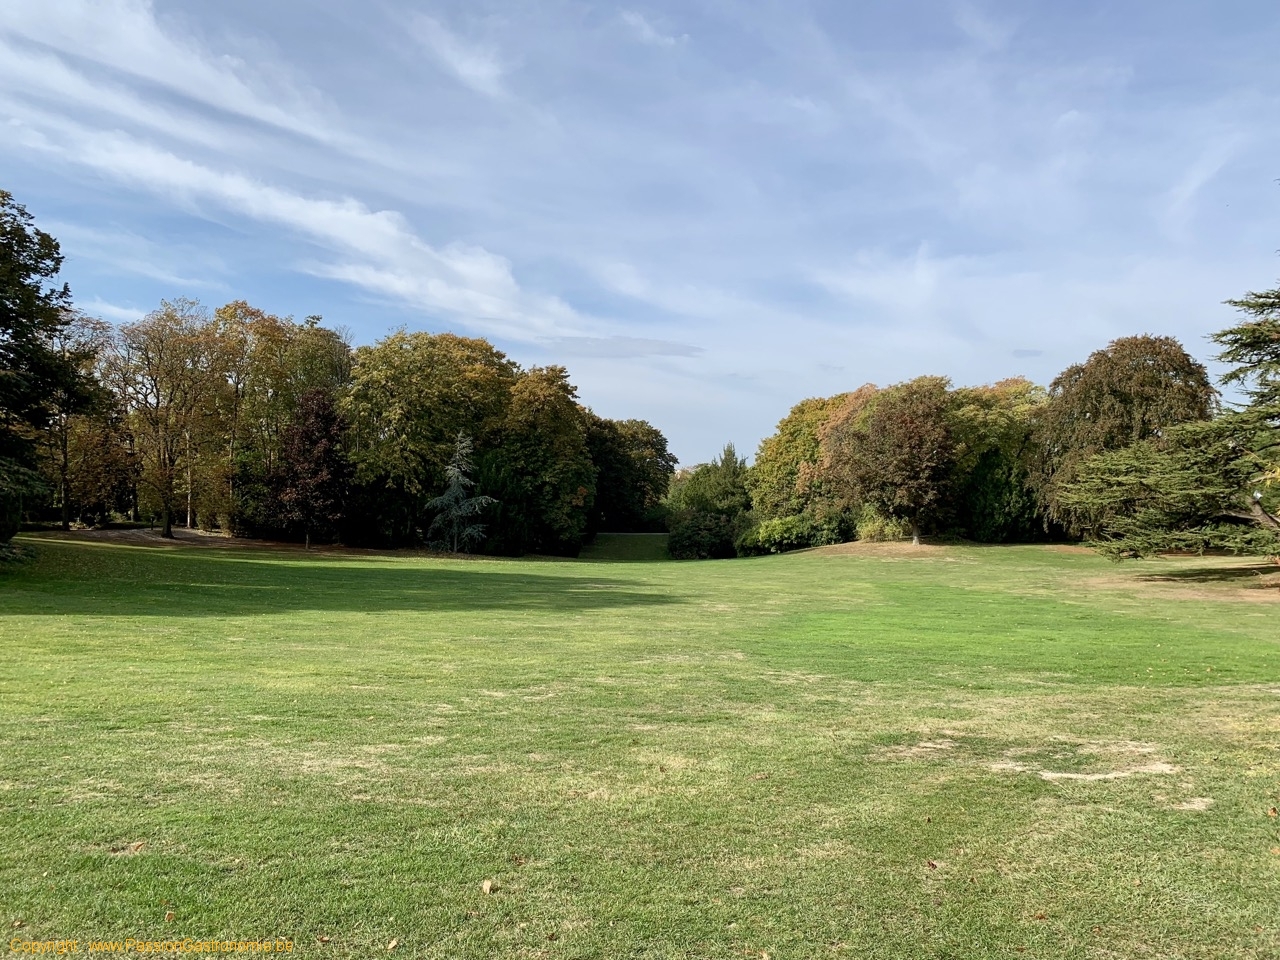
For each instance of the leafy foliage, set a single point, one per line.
(1133, 390)
(897, 453)
(34, 311)
(709, 508)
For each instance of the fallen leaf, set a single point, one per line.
(1276, 851)
(168, 917)
(324, 940)
(1273, 812)
(1041, 916)
(135, 847)
(393, 944)
(552, 935)
(17, 924)
(932, 865)
(487, 886)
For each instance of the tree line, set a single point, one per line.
(237, 420)
(1132, 450)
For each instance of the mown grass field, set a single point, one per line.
(944, 752)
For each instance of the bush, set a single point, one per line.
(702, 536)
(789, 533)
(874, 527)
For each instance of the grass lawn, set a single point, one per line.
(942, 752)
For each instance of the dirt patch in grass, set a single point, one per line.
(863, 548)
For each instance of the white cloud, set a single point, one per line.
(98, 307)
(125, 37)
(477, 67)
(378, 250)
(646, 32)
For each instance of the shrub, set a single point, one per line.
(875, 527)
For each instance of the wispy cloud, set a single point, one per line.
(478, 67)
(378, 249)
(125, 38)
(646, 32)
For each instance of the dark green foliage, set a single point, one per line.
(455, 527)
(540, 472)
(33, 311)
(1134, 390)
(633, 469)
(1197, 489)
(1210, 484)
(993, 428)
(709, 508)
(313, 475)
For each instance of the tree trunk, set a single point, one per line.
(166, 530)
(64, 469)
(915, 534)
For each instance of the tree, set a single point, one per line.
(540, 471)
(33, 313)
(455, 527)
(709, 508)
(787, 481)
(314, 473)
(896, 455)
(633, 470)
(160, 367)
(80, 343)
(994, 428)
(411, 395)
(1207, 484)
(1134, 390)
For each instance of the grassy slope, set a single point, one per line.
(809, 755)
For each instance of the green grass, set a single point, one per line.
(627, 547)
(957, 752)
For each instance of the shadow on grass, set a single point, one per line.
(141, 581)
(1255, 572)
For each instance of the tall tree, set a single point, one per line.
(993, 428)
(160, 367)
(898, 453)
(1204, 484)
(34, 310)
(456, 526)
(787, 478)
(1133, 390)
(633, 470)
(411, 395)
(81, 343)
(313, 472)
(541, 471)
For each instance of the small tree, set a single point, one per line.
(454, 527)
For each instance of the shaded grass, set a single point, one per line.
(812, 755)
(627, 547)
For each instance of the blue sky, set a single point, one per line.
(706, 210)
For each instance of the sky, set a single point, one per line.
(706, 210)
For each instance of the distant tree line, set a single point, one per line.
(237, 420)
(1131, 450)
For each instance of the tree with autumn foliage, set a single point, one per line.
(897, 454)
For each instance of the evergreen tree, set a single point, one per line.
(454, 527)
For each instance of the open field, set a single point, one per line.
(940, 752)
